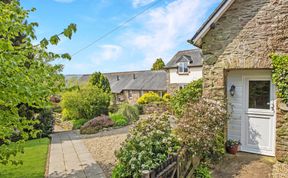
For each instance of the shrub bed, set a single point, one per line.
(201, 129)
(148, 145)
(119, 119)
(149, 98)
(95, 125)
(131, 113)
(190, 93)
(86, 103)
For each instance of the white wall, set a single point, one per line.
(194, 74)
(235, 103)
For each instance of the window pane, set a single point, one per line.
(259, 94)
(185, 67)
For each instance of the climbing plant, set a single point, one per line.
(280, 75)
(27, 75)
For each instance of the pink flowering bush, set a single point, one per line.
(96, 124)
(201, 129)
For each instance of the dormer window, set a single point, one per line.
(183, 68)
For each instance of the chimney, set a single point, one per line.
(117, 77)
(134, 76)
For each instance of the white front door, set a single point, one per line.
(258, 123)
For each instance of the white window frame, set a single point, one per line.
(182, 66)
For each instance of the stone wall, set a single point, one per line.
(243, 38)
(282, 134)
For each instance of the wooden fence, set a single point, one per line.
(181, 165)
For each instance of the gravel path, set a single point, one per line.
(280, 170)
(103, 145)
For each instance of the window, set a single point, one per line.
(183, 67)
(129, 94)
(160, 94)
(259, 94)
(140, 93)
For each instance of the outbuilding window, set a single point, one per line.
(183, 68)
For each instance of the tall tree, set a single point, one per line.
(158, 64)
(27, 75)
(99, 80)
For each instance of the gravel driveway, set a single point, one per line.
(103, 145)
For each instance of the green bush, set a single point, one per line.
(78, 123)
(149, 97)
(119, 119)
(202, 171)
(113, 108)
(148, 145)
(201, 129)
(190, 93)
(42, 120)
(140, 108)
(86, 103)
(280, 75)
(46, 122)
(129, 112)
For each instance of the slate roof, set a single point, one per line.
(136, 80)
(194, 54)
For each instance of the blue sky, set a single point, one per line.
(160, 32)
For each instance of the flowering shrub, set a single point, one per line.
(166, 97)
(190, 93)
(96, 124)
(146, 147)
(201, 129)
(149, 97)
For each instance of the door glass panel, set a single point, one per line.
(259, 94)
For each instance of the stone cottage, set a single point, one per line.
(129, 86)
(183, 68)
(236, 42)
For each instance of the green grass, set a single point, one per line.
(34, 161)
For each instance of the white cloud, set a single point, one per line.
(64, 1)
(166, 28)
(106, 53)
(138, 3)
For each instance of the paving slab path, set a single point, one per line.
(70, 158)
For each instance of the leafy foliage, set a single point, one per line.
(158, 64)
(99, 80)
(202, 171)
(95, 125)
(78, 123)
(129, 112)
(201, 129)
(149, 97)
(28, 75)
(46, 122)
(119, 119)
(190, 93)
(280, 75)
(86, 103)
(167, 97)
(148, 145)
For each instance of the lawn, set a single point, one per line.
(34, 161)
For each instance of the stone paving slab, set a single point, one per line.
(69, 158)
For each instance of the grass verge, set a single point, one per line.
(34, 161)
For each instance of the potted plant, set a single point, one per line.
(232, 146)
